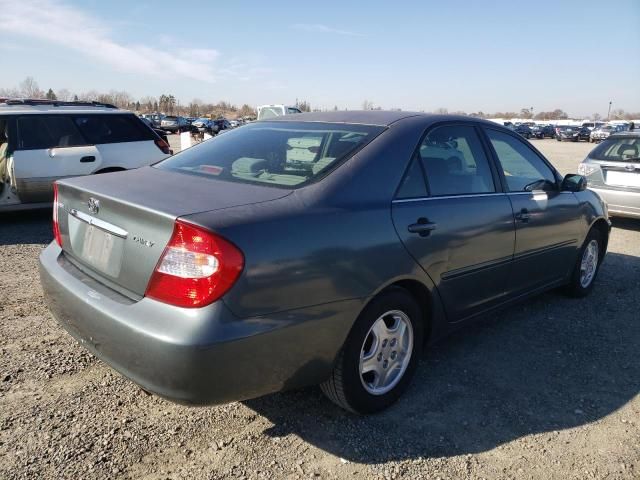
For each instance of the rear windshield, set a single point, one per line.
(270, 112)
(284, 154)
(618, 150)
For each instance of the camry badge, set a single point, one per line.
(94, 205)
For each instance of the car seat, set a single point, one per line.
(628, 151)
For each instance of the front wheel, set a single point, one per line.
(587, 265)
(380, 355)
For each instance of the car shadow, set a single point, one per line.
(548, 364)
(626, 223)
(28, 227)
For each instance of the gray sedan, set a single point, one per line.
(322, 248)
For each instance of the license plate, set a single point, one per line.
(95, 247)
(623, 179)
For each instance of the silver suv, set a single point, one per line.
(613, 171)
(42, 141)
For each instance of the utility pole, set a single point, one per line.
(609, 112)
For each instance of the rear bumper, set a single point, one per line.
(195, 356)
(620, 203)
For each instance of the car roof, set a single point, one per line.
(626, 134)
(368, 117)
(37, 106)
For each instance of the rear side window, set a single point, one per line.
(285, 154)
(99, 129)
(455, 162)
(413, 185)
(47, 131)
(617, 150)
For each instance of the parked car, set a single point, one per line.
(548, 131)
(43, 140)
(203, 125)
(271, 111)
(234, 123)
(524, 130)
(592, 125)
(221, 124)
(302, 255)
(174, 124)
(613, 171)
(571, 133)
(158, 131)
(602, 133)
(537, 131)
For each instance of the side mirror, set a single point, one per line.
(574, 183)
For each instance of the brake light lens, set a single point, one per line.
(196, 268)
(56, 227)
(163, 146)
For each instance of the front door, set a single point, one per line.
(546, 219)
(458, 226)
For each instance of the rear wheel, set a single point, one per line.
(587, 265)
(379, 356)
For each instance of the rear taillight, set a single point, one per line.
(162, 145)
(56, 227)
(196, 269)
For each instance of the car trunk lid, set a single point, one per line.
(115, 226)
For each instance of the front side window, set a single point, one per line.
(455, 162)
(285, 154)
(112, 128)
(37, 132)
(523, 169)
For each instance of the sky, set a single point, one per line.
(414, 55)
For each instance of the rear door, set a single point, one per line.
(121, 138)
(546, 219)
(49, 147)
(458, 225)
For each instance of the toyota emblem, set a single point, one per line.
(94, 205)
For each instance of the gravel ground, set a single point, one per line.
(548, 389)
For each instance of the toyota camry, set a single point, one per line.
(320, 248)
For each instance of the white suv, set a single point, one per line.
(42, 141)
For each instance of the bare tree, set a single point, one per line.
(441, 111)
(29, 88)
(367, 105)
(64, 95)
(596, 117)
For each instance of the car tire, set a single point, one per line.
(559, 139)
(588, 262)
(372, 339)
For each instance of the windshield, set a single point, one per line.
(270, 112)
(617, 150)
(286, 154)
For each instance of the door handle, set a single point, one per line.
(88, 159)
(523, 216)
(423, 227)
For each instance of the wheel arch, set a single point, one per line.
(603, 227)
(109, 170)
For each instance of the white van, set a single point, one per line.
(42, 141)
(269, 111)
